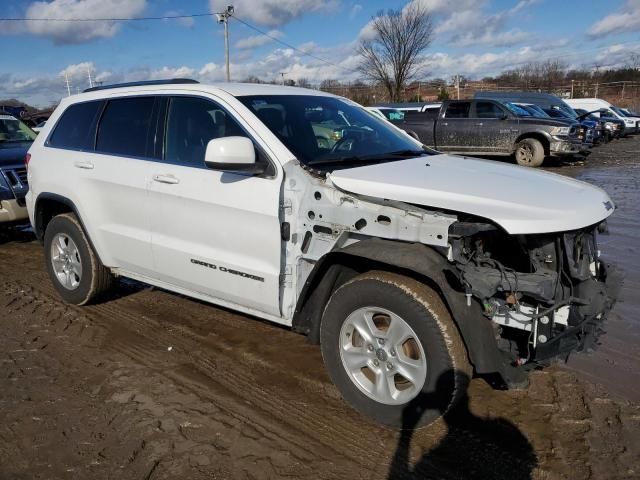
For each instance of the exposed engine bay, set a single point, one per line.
(547, 294)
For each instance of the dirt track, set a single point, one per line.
(151, 385)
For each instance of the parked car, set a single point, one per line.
(387, 113)
(39, 126)
(15, 140)
(489, 127)
(411, 269)
(589, 131)
(587, 127)
(612, 127)
(600, 107)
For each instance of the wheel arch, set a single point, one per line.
(542, 137)
(413, 260)
(47, 206)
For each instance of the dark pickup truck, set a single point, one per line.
(489, 127)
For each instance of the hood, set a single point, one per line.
(519, 199)
(13, 153)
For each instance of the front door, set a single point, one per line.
(213, 232)
(495, 131)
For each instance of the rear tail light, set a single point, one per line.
(27, 159)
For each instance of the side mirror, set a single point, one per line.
(232, 154)
(504, 116)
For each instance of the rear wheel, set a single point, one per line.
(73, 266)
(392, 349)
(529, 153)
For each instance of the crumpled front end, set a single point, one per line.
(547, 295)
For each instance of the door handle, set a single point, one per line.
(444, 123)
(170, 179)
(479, 124)
(85, 165)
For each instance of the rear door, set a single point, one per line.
(496, 130)
(104, 169)
(455, 130)
(215, 233)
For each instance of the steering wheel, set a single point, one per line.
(341, 142)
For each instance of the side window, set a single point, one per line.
(458, 110)
(75, 129)
(125, 127)
(191, 123)
(488, 110)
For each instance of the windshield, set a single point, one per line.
(516, 110)
(13, 130)
(620, 112)
(328, 130)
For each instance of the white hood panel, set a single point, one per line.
(519, 199)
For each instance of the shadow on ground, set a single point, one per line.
(472, 448)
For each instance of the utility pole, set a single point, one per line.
(571, 88)
(457, 86)
(67, 84)
(282, 74)
(224, 19)
(90, 79)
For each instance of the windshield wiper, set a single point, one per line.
(370, 158)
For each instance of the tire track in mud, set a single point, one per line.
(145, 340)
(233, 388)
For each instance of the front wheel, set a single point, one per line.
(529, 153)
(392, 349)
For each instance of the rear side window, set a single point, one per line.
(458, 110)
(75, 129)
(126, 127)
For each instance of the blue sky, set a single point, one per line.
(472, 37)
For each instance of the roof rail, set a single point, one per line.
(169, 81)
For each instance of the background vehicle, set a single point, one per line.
(387, 113)
(600, 107)
(611, 127)
(15, 140)
(39, 126)
(489, 127)
(410, 269)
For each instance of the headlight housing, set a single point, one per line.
(560, 130)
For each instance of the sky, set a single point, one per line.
(474, 38)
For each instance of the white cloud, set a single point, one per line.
(626, 19)
(78, 32)
(258, 40)
(274, 13)
(470, 24)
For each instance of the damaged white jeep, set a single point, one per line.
(413, 270)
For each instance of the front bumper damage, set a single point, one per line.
(545, 295)
(560, 146)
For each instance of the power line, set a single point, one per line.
(288, 45)
(114, 19)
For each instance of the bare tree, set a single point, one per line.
(304, 82)
(392, 57)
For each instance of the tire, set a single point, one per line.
(384, 298)
(87, 279)
(529, 153)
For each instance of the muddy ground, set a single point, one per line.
(152, 385)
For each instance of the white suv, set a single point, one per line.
(412, 269)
